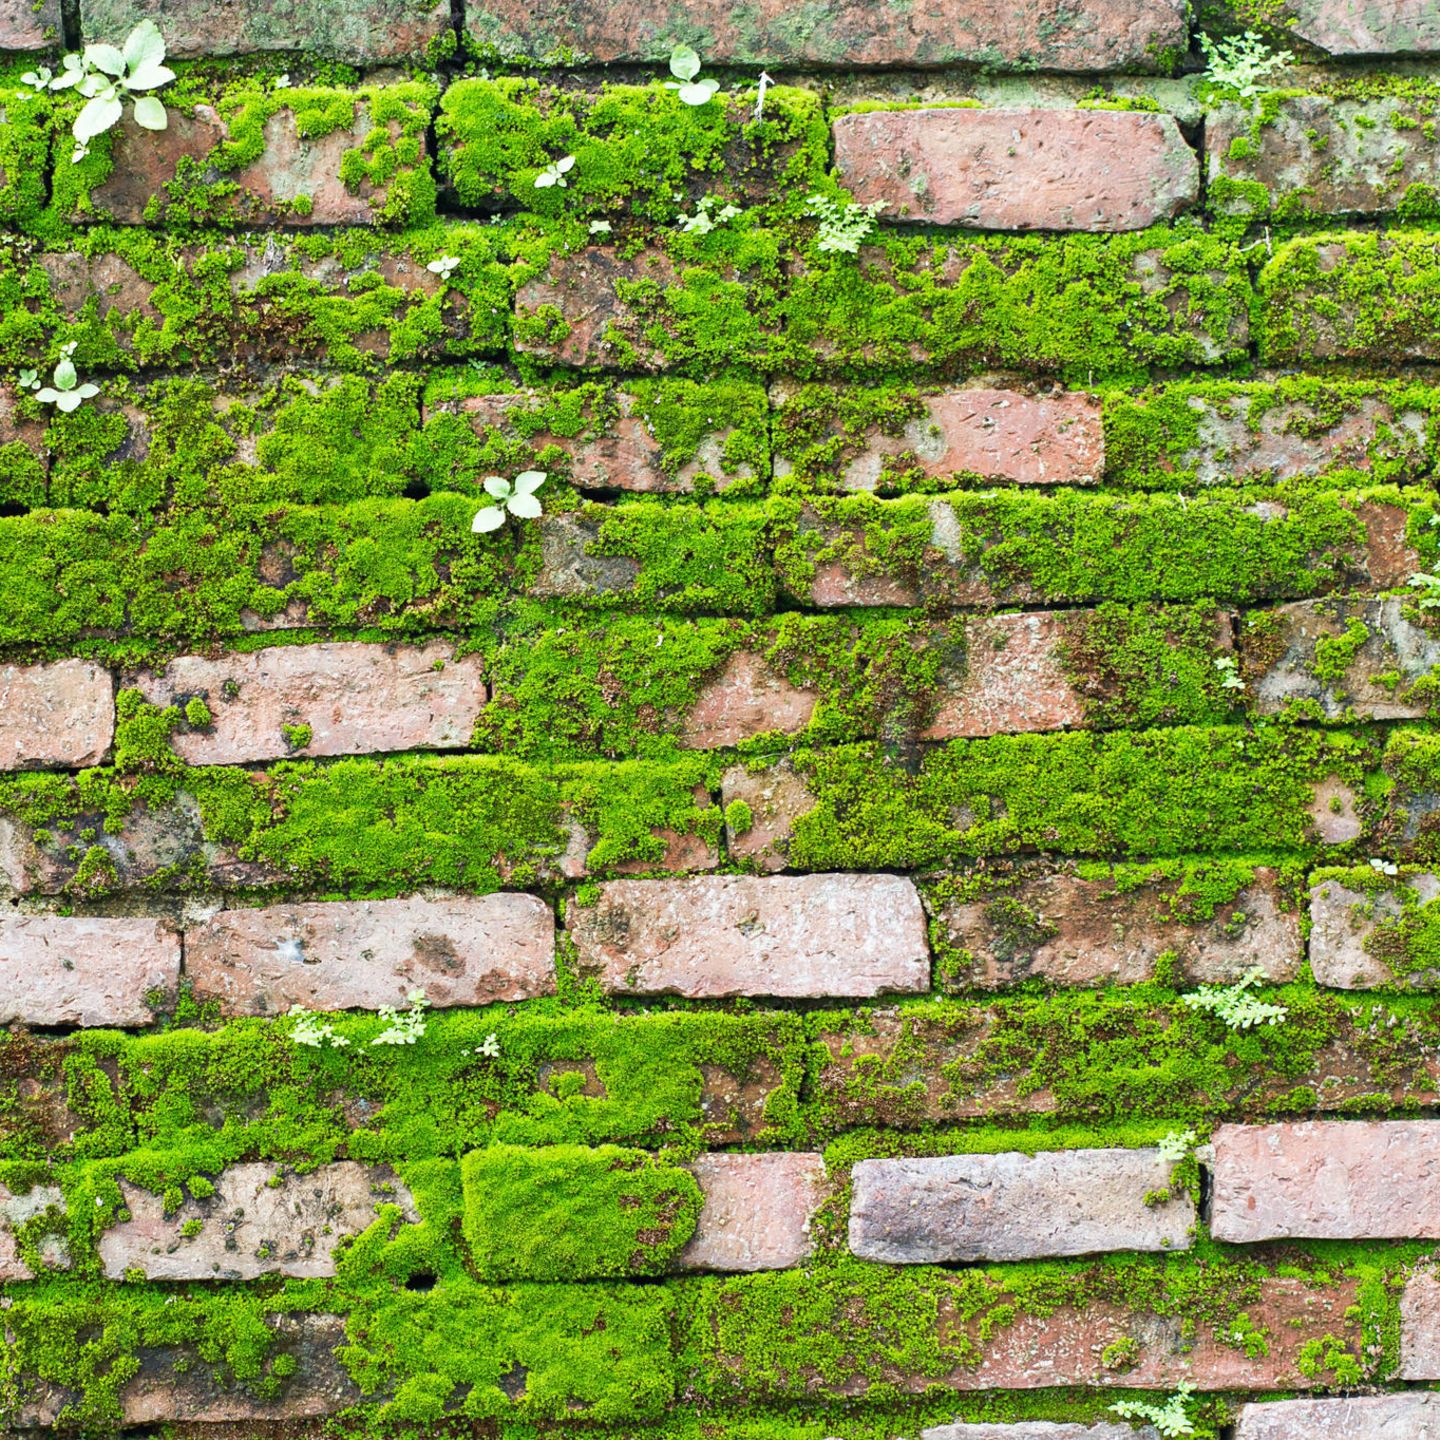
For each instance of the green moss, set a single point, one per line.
(25, 122)
(570, 1213)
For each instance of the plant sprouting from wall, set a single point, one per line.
(843, 228)
(403, 1027)
(1239, 63)
(708, 214)
(555, 173)
(685, 66)
(1168, 1418)
(107, 77)
(517, 496)
(1429, 588)
(310, 1030)
(66, 390)
(1176, 1146)
(1235, 1006)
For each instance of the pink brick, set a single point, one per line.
(360, 955)
(1367, 27)
(788, 936)
(356, 699)
(58, 714)
(1038, 1430)
(1420, 1328)
(1054, 439)
(360, 32)
(24, 25)
(625, 455)
(746, 699)
(84, 970)
(1015, 679)
(290, 169)
(757, 1211)
(775, 796)
(1045, 921)
(17, 1209)
(1010, 1206)
(1413, 1416)
(1327, 1180)
(1048, 35)
(1021, 169)
(251, 1227)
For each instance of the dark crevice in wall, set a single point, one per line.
(70, 26)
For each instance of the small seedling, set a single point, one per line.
(707, 216)
(66, 391)
(1175, 1146)
(403, 1027)
(685, 66)
(843, 228)
(1229, 673)
(1235, 1006)
(38, 79)
(1168, 1418)
(517, 496)
(29, 380)
(443, 266)
(600, 227)
(555, 173)
(108, 77)
(1240, 62)
(310, 1030)
(489, 1048)
(1430, 585)
(1384, 867)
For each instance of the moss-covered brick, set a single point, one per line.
(1078, 306)
(1218, 432)
(1151, 793)
(645, 435)
(356, 825)
(1288, 156)
(637, 149)
(352, 299)
(569, 1212)
(1021, 547)
(248, 153)
(25, 123)
(1351, 295)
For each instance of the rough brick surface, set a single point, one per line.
(747, 698)
(84, 970)
(24, 25)
(1345, 923)
(1056, 925)
(17, 1209)
(757, 1211)
(365, 33)
(294, 181)
(774, 798)
(1420, 1328)
(1375, 1417)
(715, 936)
(58, 714)
(1320, 155)
(1332, 658)
(250, 1227)
(1328, 1180)
(1022, 169)
(1040, 1430)
(354, 698)
(341, 955)
(1367, 27)
(1014, 1207)
(991, 434)
(1043, 34)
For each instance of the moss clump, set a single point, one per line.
(25, 122)
(570, 1213)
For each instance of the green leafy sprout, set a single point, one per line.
(517, 496)
(1168, 1418)
(1240, 62)
(843, 228)
(107, 77)
(1235, 1006)
(685, 66)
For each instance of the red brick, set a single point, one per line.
(343, 955)
(1281, 649)
(84, 970)
(1236, 446)
(1010, 1206)
(289, 169)
(812, 936)
(1020, 169)
(757, 1211)
(991, 434)
(775, 797)
(60, 714)
(1048, 35)
(1420, 1328)
(355, 698)
(1366, 27)
(746, 699)
(249, 1226)
(1333, 814)
(1343, 926)
(24, 25)
(1413, 1416)
(1327, 1180)
(623, 456)
(366, 32)
(1052, 923)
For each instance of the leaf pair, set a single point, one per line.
(685, 66)
(518, 497)
(107, 77)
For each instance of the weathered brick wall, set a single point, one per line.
(820, 836)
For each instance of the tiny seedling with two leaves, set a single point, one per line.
(685, 66)
(66, 390)
(516, 496)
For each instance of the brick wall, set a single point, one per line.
(921, 863)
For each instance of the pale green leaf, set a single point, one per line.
(684, 63)
(490, 518)
(96, 118)
(145, 45)
(150, 113)
(106, 58)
